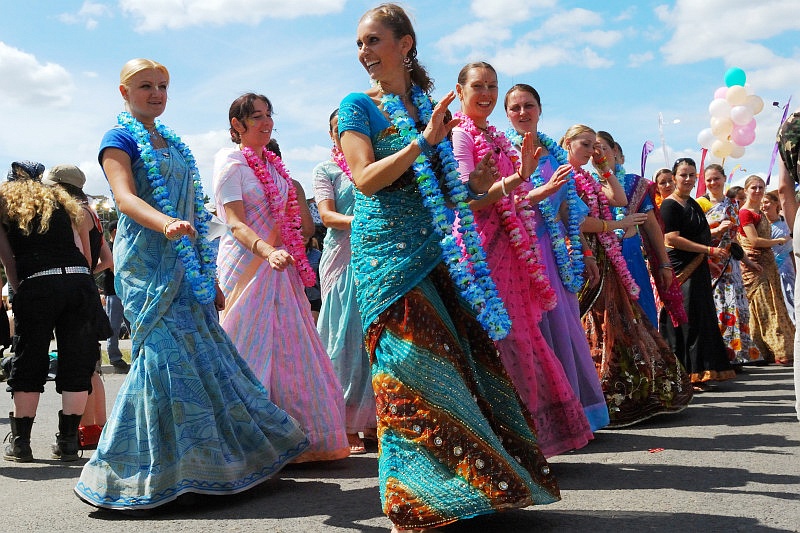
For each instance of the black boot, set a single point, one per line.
(66, 446)
(18, 448)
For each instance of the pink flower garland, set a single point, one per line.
(338, 158)
(288, 218)
(595, 198)
(517, 220)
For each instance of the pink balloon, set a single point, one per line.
(721, 92)
(743, 135)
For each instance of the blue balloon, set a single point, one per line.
(735, 76)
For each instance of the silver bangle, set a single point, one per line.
(503, 186)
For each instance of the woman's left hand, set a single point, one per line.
(219, 298)
(279, 259)
(529, 156)
(664, 278)
(177, 229)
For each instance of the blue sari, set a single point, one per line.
(190, 416)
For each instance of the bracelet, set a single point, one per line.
(665, 267)
(587, 253)
(473, 195)
(607, 174)
(424, 145)
(709, 250)
(167, 225)
(503, 186)
(253, 246)
(605, 226)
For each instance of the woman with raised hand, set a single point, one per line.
(770, 326)
(454, 440)
(698, 343)
(559, 213)
(339, 323)
(190, 417)
(263, 270)
(506, 221)
(639, 374)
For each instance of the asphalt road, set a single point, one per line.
(730, 462)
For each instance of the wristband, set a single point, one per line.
(424, 146)
(253, 246)
(588, 253)
(503, 186)
(605, 226)
(167, 225)
(709, 250)
(473, 195)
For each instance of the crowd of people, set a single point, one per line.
(487, 299)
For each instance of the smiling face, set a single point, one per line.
(770, 207)
(607, 150)
(754, 191)
(715, 182)
(255, 129)
(665, 184)
(524, 111)
(380, 52)
(581, 148)
(478, 94)
(146, 94)
(685, 178)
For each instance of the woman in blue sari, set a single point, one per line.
(454, 440)
(190, 417)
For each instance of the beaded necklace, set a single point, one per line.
(288, 217)
(199, 272)
(516, 213)
(619, 212)
(472, 277)
(568, 251)
(596, 199)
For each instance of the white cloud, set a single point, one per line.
(592, 60)
(509, 10)
(477, 37)
(24, 80)
(524, 58)
(88, 15)
(154, 15)
(636, 60)
(571, 22)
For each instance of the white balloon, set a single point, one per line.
(706, 138)
(719, 107)
(721, 127)
(755, 103)
(736, 95)
(741, 115)
(736, 151)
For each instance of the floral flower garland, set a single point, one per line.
(598, 207)
(471, 277)
(289, 218)
(516, 213)
(199, 272)
(568, 251)
(338, 158)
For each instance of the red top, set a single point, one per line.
(748, 217)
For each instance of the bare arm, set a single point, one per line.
(332, 218)
(759, 242)
(787, 196)
(7, 258)
(596, 225)
(263, 247)
(117, 166)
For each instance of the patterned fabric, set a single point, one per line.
(339, 322)
(789, 145)
(733, 310)
(537, 374)
(436, 374)
(282, 346)
(190, 416)
(698, 343)
(786, 270)
(639, 373)
(771, 327)
(561, 326)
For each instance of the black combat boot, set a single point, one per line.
(18, 448)
(66, 446)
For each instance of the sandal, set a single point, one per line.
(356, 444)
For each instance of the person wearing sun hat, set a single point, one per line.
(72, 179)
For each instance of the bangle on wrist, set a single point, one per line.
(587, 253)
(255, 243)
(665, 266)
(424, 145)
(473, 195)
(710, 250)
(605, 226)
(167, 225)
(503, 186)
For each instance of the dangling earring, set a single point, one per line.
(408, 63)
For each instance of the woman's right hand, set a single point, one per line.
(437, 129)
(484, 174)
(279, 259)
(634, 219)
(177, 229)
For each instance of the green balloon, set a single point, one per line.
(735, 76)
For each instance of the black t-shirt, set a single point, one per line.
(43, 251)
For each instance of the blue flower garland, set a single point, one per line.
(569, 255)
(471, 277)
(200, 273)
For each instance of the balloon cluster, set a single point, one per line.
(733, 123)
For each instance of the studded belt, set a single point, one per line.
(60, 270)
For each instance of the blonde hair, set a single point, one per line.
(573, 132)
(22, 201)
(751, 178)
(135, 66)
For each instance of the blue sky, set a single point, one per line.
(612, 65)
